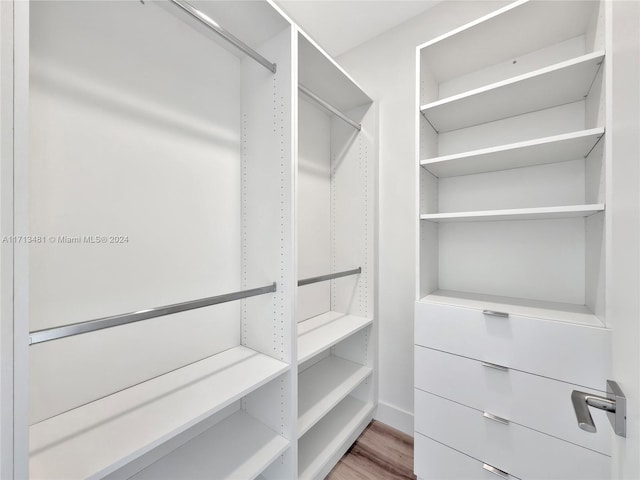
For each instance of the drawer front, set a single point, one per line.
(435, 461)
(536, 402)
(572, 353)
(512, 448)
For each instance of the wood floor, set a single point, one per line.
(380, 453)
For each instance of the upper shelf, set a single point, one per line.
(520, 27)
(324, 77)
(323, 331)
(558, 148)
(100, 437)
(538, 213)
(547, 87)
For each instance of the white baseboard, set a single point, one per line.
(394, 417)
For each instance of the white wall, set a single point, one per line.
(385, 68)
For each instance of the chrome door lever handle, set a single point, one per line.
(581, 403)
(615, 404)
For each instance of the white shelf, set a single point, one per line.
(323, 331)
(335, 432)
(558, 148)
(212, 455)
(322, 386)
(539, 213)
(558, 84)
(323, 76)
(100, 437)
(505, 34)
(562, 312)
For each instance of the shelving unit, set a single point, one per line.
(336, 211)
(201, 183)
(325, 443)
(139, 356)
(496, 147)
(512, 193)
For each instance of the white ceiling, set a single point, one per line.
(340, 25)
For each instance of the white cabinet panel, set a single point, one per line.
(536, 402)
(510, 447)
(568, 352)
(435, 461)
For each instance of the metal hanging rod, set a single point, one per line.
(40, 336)
(229, 37)
(331, 276)
(329, 107)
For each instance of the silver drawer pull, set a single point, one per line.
(496, 471)
(495, 418)
(495, 366)
(493, 313)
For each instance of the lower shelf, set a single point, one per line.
(562, 312)
(323, 331)
(325, 443)
(323, 385)
(213, 455)
(103, 436)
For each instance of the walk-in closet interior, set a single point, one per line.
(308, 240)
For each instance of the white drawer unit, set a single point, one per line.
(569, 352)
(510, 447)
(512, 195)
(520, 397)
(435, 461)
